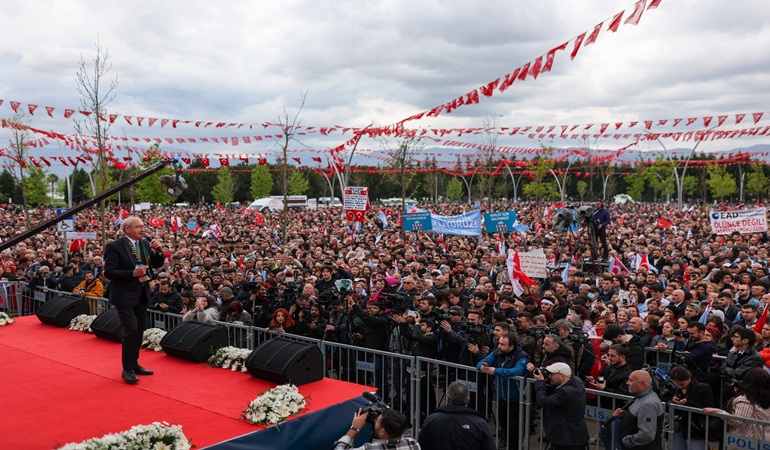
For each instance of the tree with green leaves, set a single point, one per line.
(636, 181)
(261, 181)
(582, 188)
(149, 189)
(36, 187)
(298, 184)
(8, 186)
(660, 178)
(454, 189)
(720, 182)
(756, 181)
(51, 180)
(224, 190)
(690, 185)
(541, 186)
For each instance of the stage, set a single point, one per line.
(60, 386)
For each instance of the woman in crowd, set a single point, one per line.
(205, 310)
(690, 427)
(187, 302)
(235, 314)
(281, 321)
(753, 403)
(621, 318)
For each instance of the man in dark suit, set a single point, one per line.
(601, 222)
(128, 263)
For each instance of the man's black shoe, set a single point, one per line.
(142, 371)
(129, 376)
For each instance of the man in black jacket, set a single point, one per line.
(615, 376)
(563, 402)
(455, 426)
(166, 299)
(616, 335)
(375, 336)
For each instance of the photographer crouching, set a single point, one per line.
(389, 426)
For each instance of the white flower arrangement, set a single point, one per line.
(156, 436)
(151, 339)
(232, 358)
(5, 319)
(82, 323)
(275, 405)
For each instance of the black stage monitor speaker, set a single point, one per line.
(60, 311)
(107, 326)
(284, 361)
(194, 341)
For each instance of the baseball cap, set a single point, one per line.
(559, 367)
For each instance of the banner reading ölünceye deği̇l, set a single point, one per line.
(743, 221)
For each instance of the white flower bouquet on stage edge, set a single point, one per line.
(232, 358)
(158, 435)
(151, 339)
(275, 405)
(82, 323)
(5, 319)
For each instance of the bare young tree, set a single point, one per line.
(96, 94)
(18, 149)
(401, 158)
(289, 127)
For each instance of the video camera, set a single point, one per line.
(474, 332)
(563, 218)
(396, 301)
(585, 214)
(662, 384)
(374, 407)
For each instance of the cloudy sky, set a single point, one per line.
(378, 62)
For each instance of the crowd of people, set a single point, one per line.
(451, 297)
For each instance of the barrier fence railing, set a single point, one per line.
(416, 385)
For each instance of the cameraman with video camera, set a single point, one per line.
(389, 426)
(572, 336)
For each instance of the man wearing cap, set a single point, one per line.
(563, 400)
(42, 278)
(692, 312)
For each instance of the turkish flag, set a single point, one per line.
(76, 245)
(224, 162)
(157, 223)
(663, 223)
(262, 161)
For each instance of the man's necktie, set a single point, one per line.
(139, 251)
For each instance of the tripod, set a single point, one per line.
(586, 242)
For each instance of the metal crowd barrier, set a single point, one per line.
(416, 385)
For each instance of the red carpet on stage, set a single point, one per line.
(59, 386)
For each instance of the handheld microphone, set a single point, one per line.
(609, 421)
(149, 240)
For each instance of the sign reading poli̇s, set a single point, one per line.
(743, 221)
(500, 222)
